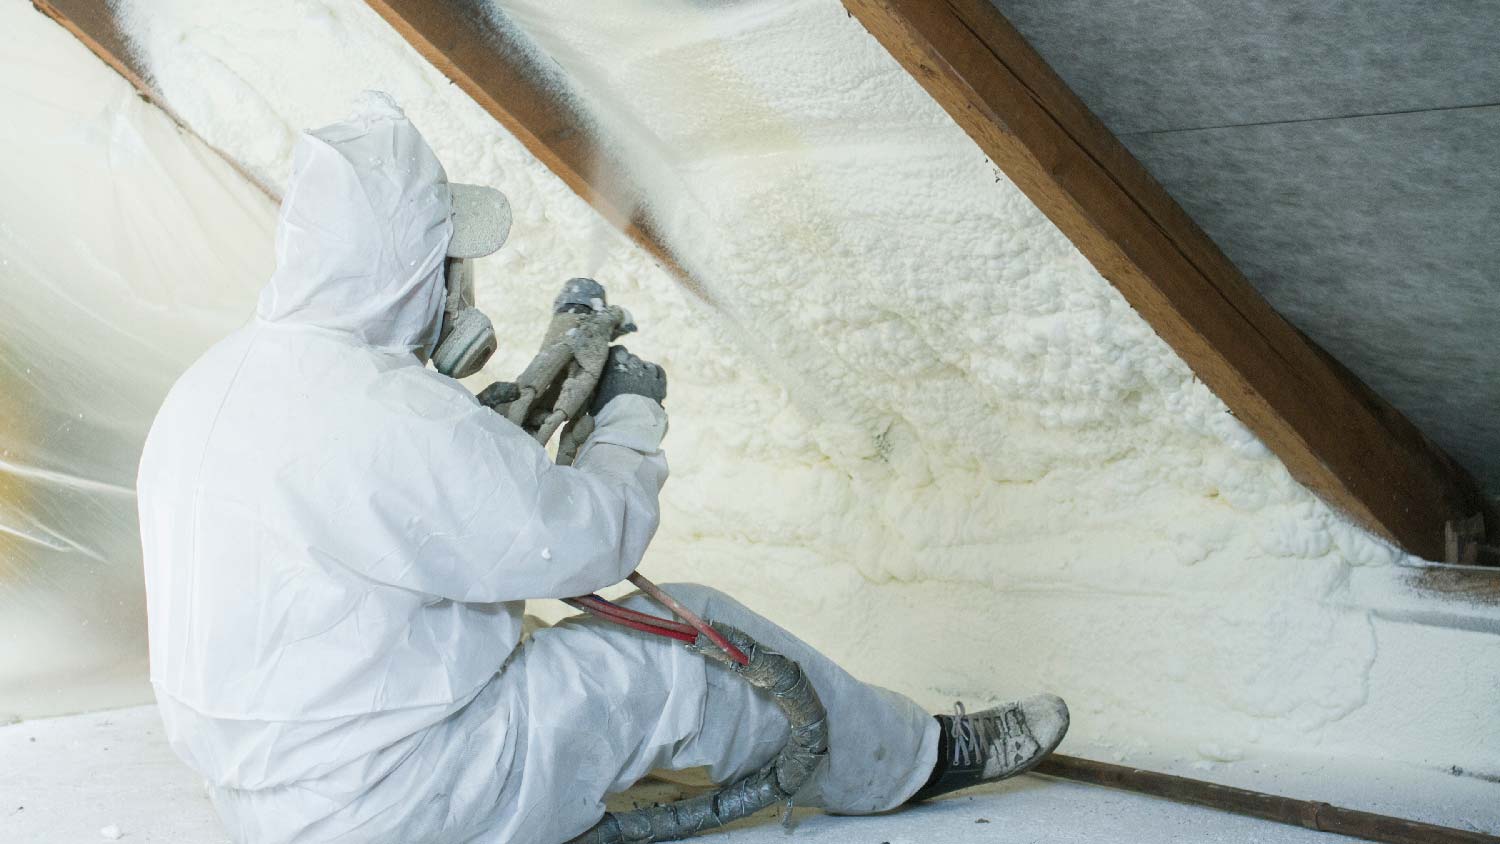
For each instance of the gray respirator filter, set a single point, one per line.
(467, 338)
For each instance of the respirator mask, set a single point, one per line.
(481, 222)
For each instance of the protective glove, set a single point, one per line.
(624, 373)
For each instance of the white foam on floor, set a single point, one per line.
(67, 779)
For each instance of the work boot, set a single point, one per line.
(995, 744)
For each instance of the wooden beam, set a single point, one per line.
(528, 100)
(93, 23)
(1467, 584)
(1309, 814)
(1334, 434)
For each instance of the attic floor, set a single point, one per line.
(65, 779)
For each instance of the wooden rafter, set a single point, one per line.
(93, 22)
(508, 83)
(1308, 814)
(1333, 433)
(500, 76)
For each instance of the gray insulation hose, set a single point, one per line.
(775, 783)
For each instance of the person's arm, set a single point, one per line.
(622, 467)
(475, 510)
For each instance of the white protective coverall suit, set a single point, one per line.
(338, 543)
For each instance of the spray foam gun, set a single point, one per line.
(554, 392)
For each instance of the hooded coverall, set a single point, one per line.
(339, 541)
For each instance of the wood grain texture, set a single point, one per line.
(1309, 814)
(93, 23)
(1468, 584)
(1334, 434)
(508, 83)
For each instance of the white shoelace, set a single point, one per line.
(972, 737)
(968, 746)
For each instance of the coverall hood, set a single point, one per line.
(362, 232)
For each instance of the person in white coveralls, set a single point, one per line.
(339, 540)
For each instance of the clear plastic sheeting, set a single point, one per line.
(126, 248)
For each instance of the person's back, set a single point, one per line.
(268, 603)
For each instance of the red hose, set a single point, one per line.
(625, 621)
(602, 609)
(616, 611)
(690, 617)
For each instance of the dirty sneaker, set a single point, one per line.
(996, 743)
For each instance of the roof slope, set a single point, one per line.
(1342, 154)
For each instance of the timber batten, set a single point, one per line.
(508, 84)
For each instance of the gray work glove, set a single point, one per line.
(625, 373)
